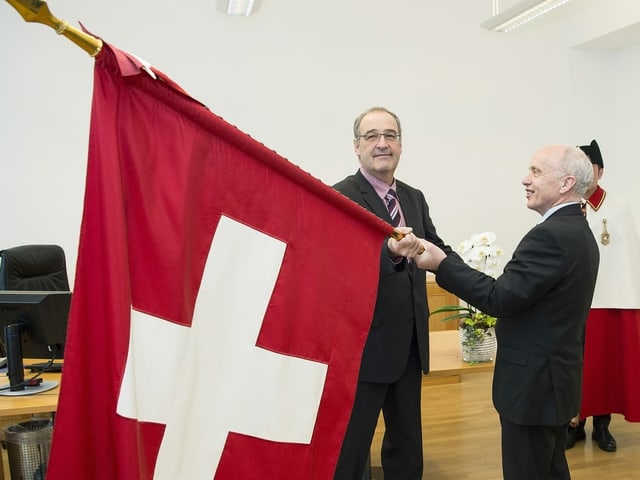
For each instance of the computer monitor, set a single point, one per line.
(36, 321)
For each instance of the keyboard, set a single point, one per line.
(55, 367)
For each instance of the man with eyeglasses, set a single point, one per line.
(397, 348)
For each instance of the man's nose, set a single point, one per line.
(382, 142)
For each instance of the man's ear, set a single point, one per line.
(568, 184)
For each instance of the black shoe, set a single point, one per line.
(575, 434)
(604, 438)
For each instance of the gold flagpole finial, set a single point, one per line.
(38, 11)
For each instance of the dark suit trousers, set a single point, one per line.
(534, 452)
(402, 442)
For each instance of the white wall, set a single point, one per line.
(474, 104)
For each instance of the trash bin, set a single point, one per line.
(28, 445)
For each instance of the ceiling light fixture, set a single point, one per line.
(519, 14)
(238, 7)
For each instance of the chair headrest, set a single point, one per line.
(33, 267)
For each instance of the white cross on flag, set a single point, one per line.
(218, 316)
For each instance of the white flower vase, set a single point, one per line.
(478, 348)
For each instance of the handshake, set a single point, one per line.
(404, 243)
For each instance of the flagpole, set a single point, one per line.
(38, 11)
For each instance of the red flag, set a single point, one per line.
(222, 298)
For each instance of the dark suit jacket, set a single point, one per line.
(541, 300)
(401, 305)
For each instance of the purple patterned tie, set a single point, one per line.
(392, 205)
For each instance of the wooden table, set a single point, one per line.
(17, 409)
(446, 364)
(43, 402)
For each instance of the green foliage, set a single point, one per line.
(476, 325)
(479, 253)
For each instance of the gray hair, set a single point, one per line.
(356, 124)
(576, 163)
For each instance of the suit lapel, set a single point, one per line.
(371, 199)
(411, 207)
(405, 203)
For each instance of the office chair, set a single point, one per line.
(33, 267)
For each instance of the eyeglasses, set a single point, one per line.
(389, 137)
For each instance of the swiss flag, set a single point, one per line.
(221, 303)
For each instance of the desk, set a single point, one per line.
(44, 402)
(439, 297)
(446, 363)
(16, 409)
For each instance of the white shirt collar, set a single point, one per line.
(554, 209)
